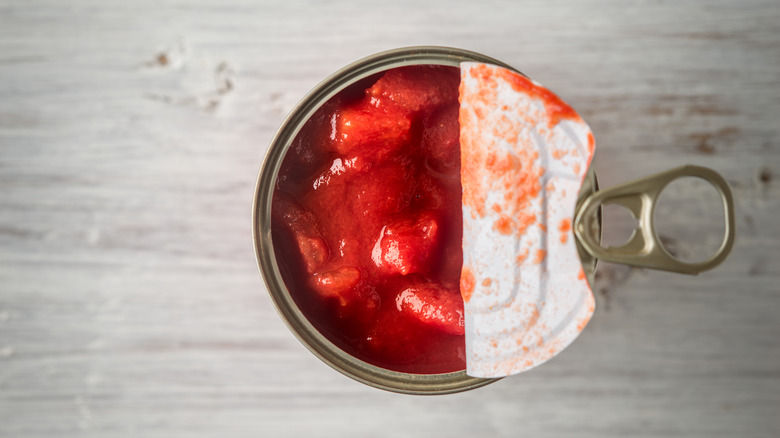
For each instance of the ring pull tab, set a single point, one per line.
(644, 248)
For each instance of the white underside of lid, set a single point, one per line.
(524, 154)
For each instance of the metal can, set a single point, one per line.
(643, 249)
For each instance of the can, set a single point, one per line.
(643, 249)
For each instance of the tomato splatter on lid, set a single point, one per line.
(564, 227)
(466, 283)
(540, 255)
(504, 224)
(524, 154)
(555, 108)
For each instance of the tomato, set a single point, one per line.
(367, 221)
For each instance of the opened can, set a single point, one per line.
(639, 197)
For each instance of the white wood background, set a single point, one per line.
(131, 133)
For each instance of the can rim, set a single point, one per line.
(296, 321)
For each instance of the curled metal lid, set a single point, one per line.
(524, 155)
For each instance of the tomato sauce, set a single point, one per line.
(367, 220)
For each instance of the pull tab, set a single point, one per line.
(644, 248)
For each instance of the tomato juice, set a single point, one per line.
(367, 220)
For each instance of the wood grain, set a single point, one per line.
(131, 134)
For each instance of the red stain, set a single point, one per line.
(526, 221)
(507, 163)
(534, 317)
(559, 153)
(583, 323)
(503, 225)
(516, 174)
(470, 152)
(564, 227)
(591, 143)
(466, 283)
(581, 274)
(504, 129)
(556, 108)
(490, 161)
(487, 282)
(522, 256)
(484, 74)
(540, 255)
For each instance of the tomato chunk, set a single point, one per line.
(439, 306)
(416, 88)
(384, 190)
(370, 131)
(336, 283)
(440, 140)
(303, 226)
(407, 246)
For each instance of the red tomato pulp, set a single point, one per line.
(367, 220)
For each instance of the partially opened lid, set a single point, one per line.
(524, 155)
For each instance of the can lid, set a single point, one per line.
(524, 155)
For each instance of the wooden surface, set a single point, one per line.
(130, 138)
